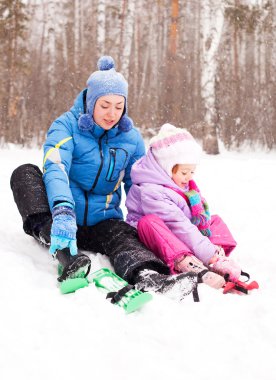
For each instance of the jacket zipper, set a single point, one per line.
(96, 180)
(101, 165)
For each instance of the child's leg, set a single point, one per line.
(157, 237)
(221, 235)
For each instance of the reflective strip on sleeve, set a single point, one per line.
(57, 146)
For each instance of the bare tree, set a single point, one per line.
(127, 36)
(172, 83)
(198, 64)
(77, 31)
(272, 74)
(51, 48)
(13, 18)
(212, 19)
(101, 26)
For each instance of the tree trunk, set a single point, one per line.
(236, 67)
(172, 83)
(128, 31)
(77, 22)
(212, 19)
(174, 27)
(51, 50)
(101, 26)
(273, 76)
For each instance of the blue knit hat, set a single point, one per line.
(105, 81)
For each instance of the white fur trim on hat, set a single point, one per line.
(173, 146)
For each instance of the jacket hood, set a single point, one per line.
(78, 109)
(147, 170)
(86, 122)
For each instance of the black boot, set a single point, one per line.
(175, 286)
(73, 266)
(40, 227)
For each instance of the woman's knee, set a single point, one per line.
(23, 171)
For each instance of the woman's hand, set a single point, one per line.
(64, 228)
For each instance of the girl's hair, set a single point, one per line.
(175, 168)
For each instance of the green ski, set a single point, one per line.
(117, 290)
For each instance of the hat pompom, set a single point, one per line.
(125, 124)
(106, 63)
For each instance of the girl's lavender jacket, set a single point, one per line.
(148, 195)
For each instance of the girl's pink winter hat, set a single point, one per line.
(173, 146)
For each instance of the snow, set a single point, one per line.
(46, 335)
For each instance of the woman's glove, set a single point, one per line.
(64, 228)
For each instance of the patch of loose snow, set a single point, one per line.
(51, 336)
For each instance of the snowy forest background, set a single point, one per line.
(207, 65)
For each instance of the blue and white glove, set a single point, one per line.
(64, 228)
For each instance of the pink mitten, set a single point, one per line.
(224, 265)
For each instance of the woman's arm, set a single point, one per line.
(58, 150)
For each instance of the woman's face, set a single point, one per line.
(108, 110)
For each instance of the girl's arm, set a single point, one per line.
(158, 203)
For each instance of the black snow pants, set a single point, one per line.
(112, 237)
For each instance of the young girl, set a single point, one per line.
(172, 218)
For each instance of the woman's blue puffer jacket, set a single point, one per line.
(86, 168)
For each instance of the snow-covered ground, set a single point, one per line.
(46, 335)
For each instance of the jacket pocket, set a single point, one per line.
(117, 161)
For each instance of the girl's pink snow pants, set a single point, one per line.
(157, 237)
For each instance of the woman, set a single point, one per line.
(89, 151)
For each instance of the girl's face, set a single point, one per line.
(108, 110)
(182, 174)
